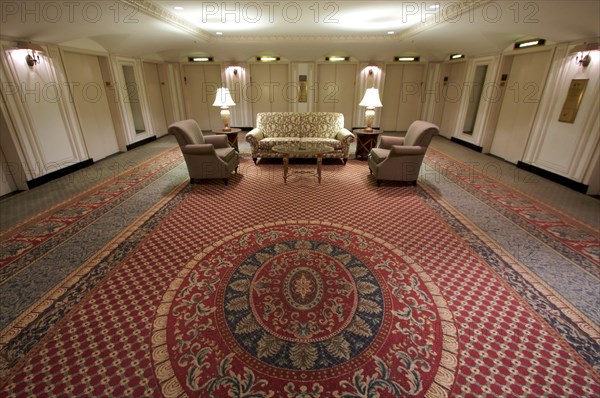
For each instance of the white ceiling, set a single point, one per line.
(298, 30)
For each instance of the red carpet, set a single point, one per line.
(266, 289)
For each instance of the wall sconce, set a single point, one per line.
(583, 57)
(32, 58)
(234, 70)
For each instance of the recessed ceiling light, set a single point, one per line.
(390, 32)
(177, 8)
(219, 33)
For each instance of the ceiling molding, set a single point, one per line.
(270, 38)
(152, 9)
(460, 8)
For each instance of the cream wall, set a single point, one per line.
(567, 149)
(46, 134)
(41, 118)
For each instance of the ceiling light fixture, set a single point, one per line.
(390, 32)
(456, 56)
(178, 8)
(406, 59)
(529, 43)
(267, 58)
(200, 59)
(337, 59)
(219, 33)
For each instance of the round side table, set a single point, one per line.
(232, 137)
(365, 140)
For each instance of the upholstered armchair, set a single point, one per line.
(400, 158)
(205, 156)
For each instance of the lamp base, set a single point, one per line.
(369, 117)
(226, 118)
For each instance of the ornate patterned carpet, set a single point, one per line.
(299, 290)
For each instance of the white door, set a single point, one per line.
(200, 84)
(268, 90)
(7, 182)
(453, 83)
(521, 99)
(336, 90)
(155, 99)
(91, 104)
(401, 96)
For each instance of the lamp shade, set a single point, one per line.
(223, 98)
(371, 99)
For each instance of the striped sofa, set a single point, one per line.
(289, 128)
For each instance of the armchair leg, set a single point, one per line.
(378, 183)
(414, 183)
(226, 181)
(345, 161)
(254, 160)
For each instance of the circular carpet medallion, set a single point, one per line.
(301, 309)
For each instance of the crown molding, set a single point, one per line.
(442, 16)
(152, 9)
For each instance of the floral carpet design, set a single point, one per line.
(271, 308)
(298, 290)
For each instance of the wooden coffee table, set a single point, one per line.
(304, 151)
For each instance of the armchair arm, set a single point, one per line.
(199, 149)
(345, 135)
(386, 141)
(219, 141)
(400, 150)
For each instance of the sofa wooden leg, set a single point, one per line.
(414, 183)
(345, 160)
(226, 181)
(255, 159)
(378, 183)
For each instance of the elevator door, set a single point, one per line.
(200, 84)
(519, 106)
(91, 104)
(402, 96)
(336, 84)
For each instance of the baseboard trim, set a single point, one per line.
(467, 144)
(140, 143)
(36, 182)
(567, 182)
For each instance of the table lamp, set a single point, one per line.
(224, 100)
(371, 101)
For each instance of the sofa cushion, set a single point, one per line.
(321, 124)
(278, 124)
(270, 142)
(304, 124)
